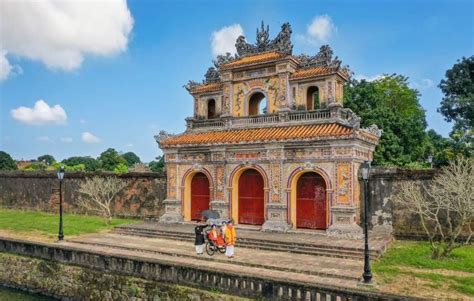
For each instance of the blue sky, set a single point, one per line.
(126, 85)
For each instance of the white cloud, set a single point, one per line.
(82, 121)
(223, 40)
(88, 137)
(360, 77)
(320, 30)
(60, 33)
(129, 145)
(5, 67)
(427, 83)
(40, 114)
(66, 139)
(43, 139)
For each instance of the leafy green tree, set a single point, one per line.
(110, 159)
(48, 159)
(90, 164)
(394, 107)
(158, 165)
(131, 158)
(458, 89)
(6, 162)
(121, 168)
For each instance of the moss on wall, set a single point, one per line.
(77, 283)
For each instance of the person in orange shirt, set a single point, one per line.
(215, 236)
(230, 239)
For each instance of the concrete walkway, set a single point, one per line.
(247, 261)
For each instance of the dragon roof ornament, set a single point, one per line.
(281, 43)
(322, 59)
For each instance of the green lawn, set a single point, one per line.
(411, 261)
(47, 223)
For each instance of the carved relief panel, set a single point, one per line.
(171, 175)
(344, 179)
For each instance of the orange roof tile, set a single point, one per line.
(259, 134)
(207, 88)
(258, 58)
(310, 72)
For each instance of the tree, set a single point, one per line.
(444, 149)
(394, 107)
(445, 208)
(157, 166)
(89, 163)
(458, 89)
(121, 168)
(97, 194)
(6, 162)
(48, 159)
(131, 158)
(110, 159)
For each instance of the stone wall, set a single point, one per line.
(384, 184)
(68, 282)
(161, 272)
(142, 197)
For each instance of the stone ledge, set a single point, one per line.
(239, 284)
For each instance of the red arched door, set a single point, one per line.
(251, 201)
(199, 195)
(311, 202)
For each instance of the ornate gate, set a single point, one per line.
(251, 200)
(200, 197)
(311, 202)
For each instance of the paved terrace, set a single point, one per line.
(248, 261)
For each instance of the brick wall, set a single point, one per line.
(142, 197)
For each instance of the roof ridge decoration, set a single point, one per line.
(322, 59)
(281, 43)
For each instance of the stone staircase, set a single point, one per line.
(316, 245)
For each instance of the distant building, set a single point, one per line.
(270, 143)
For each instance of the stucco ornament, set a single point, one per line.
(162, 135)
(282, 42)
(197, 166)
(212, 76)
(322, 59)
(374, 129)
(308, 166)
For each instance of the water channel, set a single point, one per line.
(8, 294)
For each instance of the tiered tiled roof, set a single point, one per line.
(207, 88)
(315, 71)
(276, 133)
(252, 59)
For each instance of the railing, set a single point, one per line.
(208, 124)
(253, 120)
(305, 116)
(318, 116)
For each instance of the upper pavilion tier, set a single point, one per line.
(265, 85)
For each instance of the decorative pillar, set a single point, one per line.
(276, 207)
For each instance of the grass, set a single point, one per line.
(407, 262)
(47, 223)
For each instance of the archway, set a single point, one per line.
(211, 109)
(292, 189)
(311, 209)
(257, 104)
(251, 203)
(188, 194)
(312, 98)
(200, 195)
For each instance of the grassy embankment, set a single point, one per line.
(408, 268)
(44, 226)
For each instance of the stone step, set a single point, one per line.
(328, 273)
(299, 248)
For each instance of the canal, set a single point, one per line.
(8, 294)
